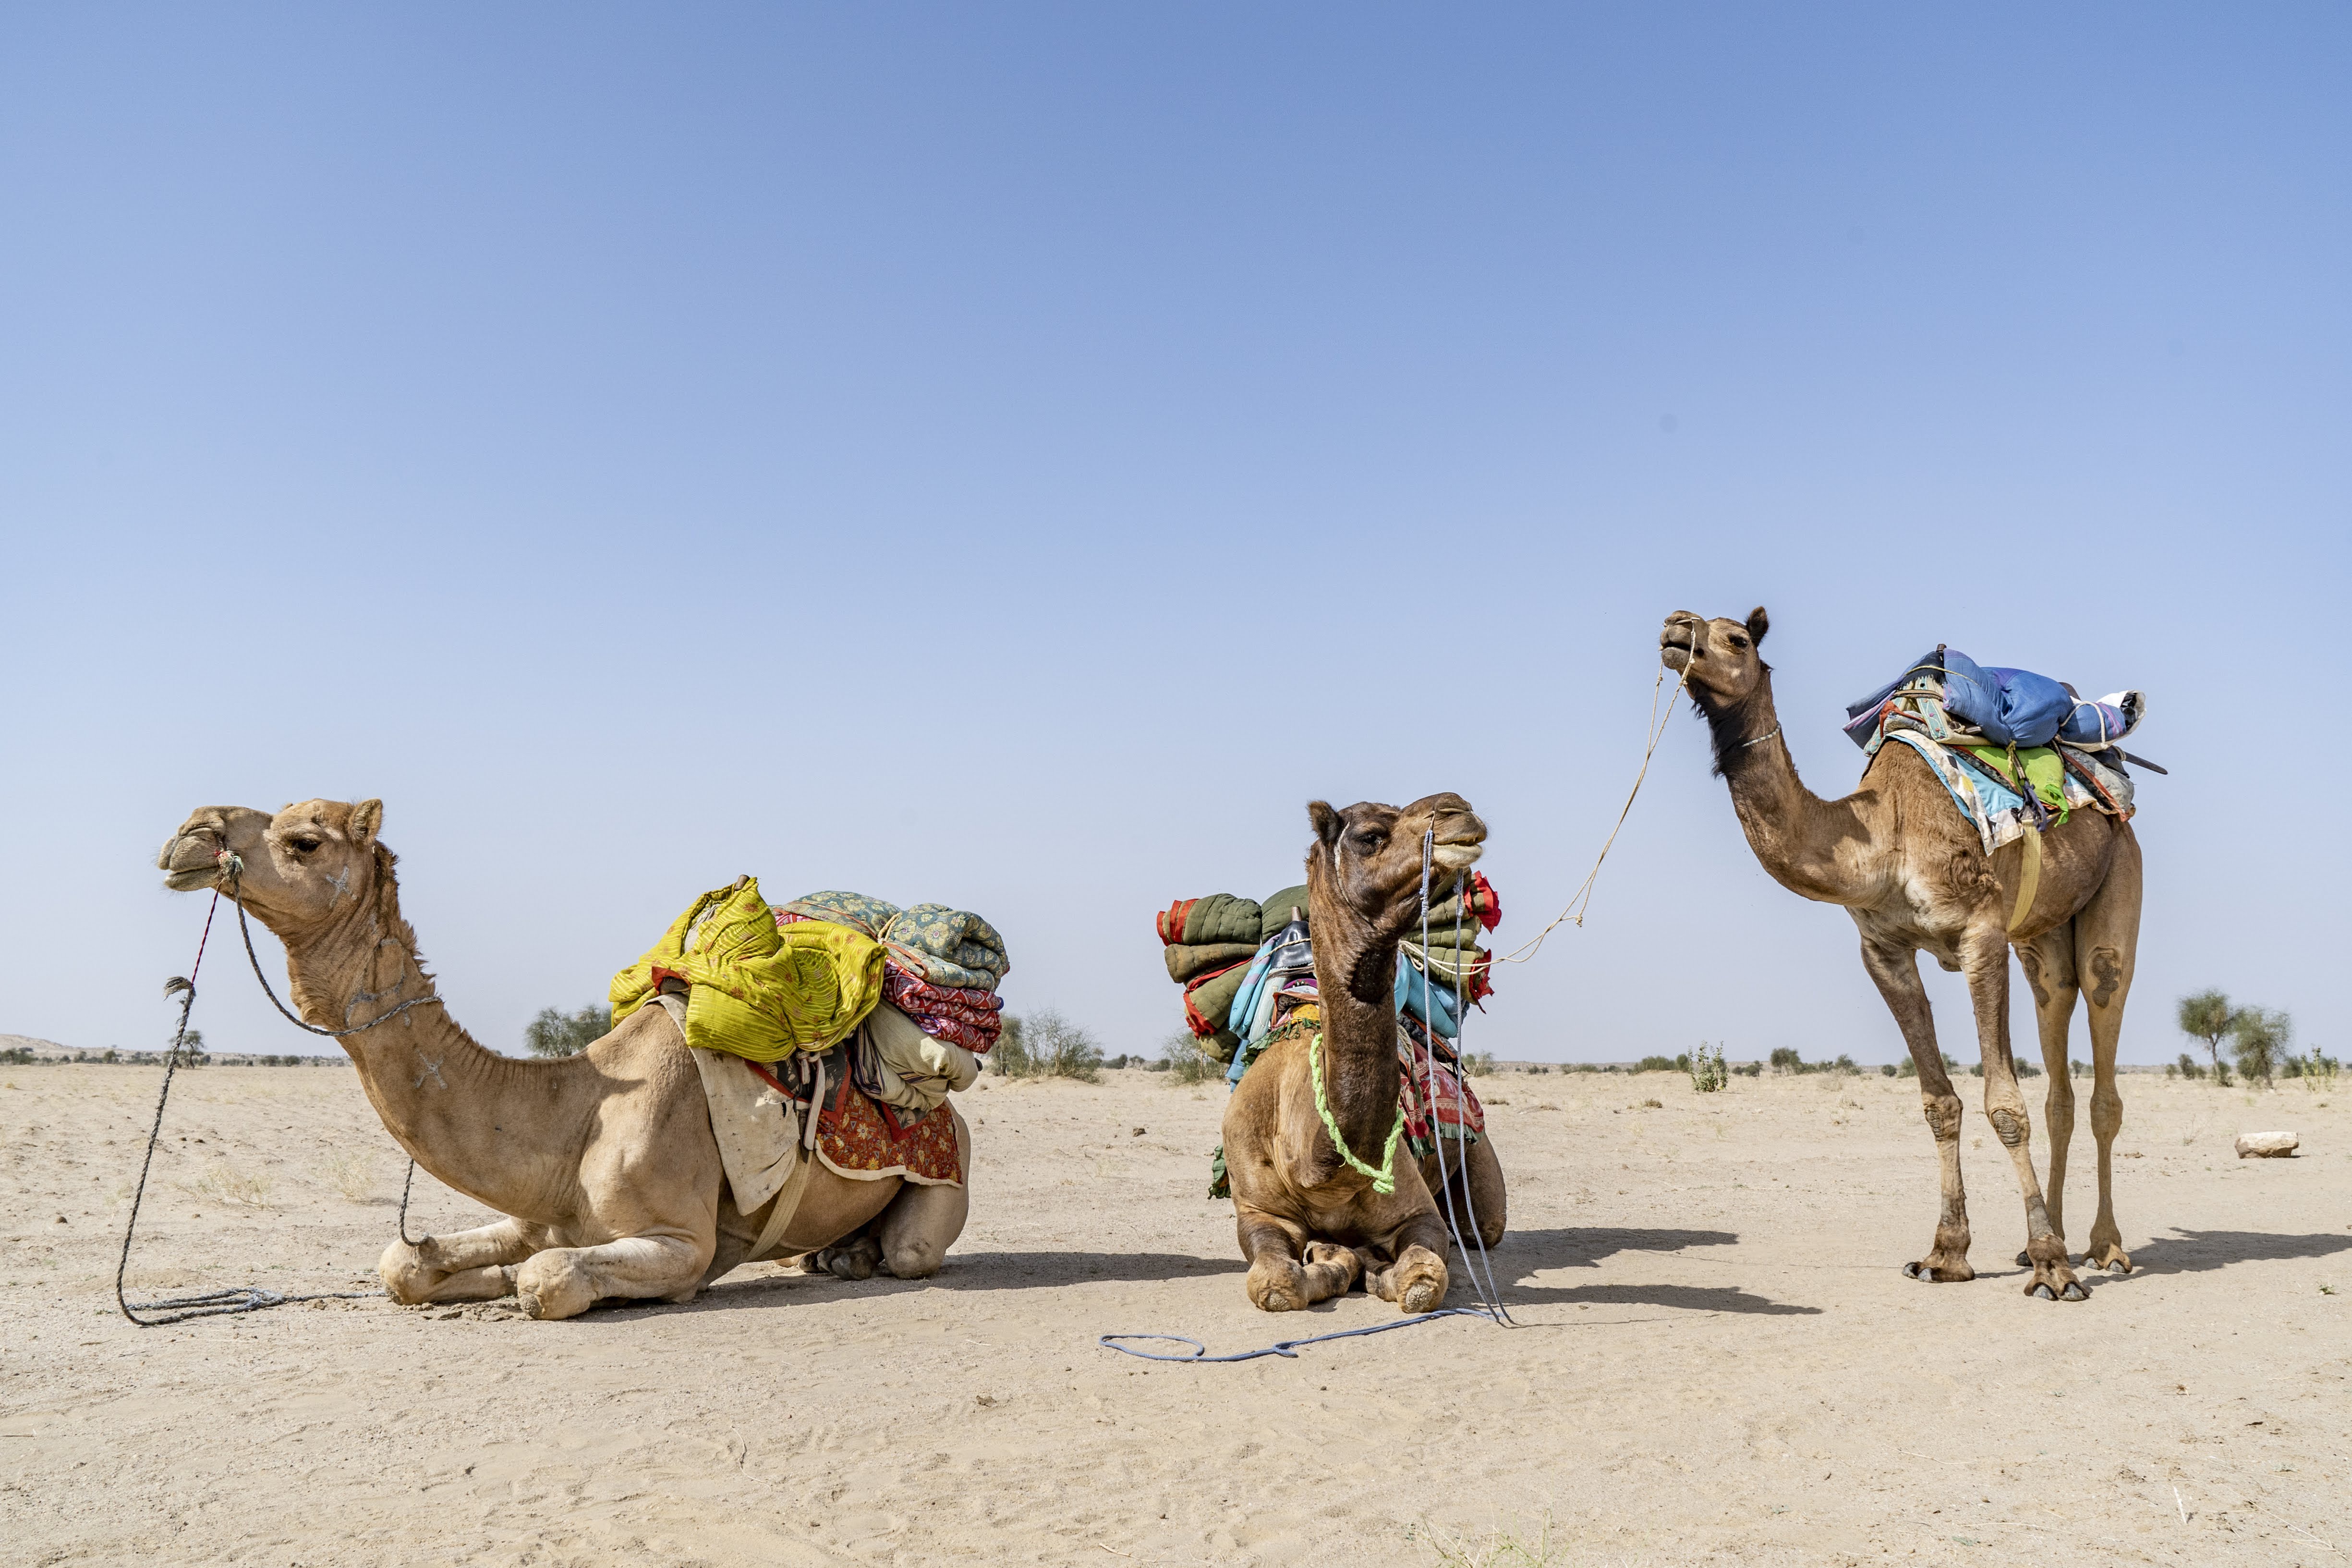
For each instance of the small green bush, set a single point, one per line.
(1186, 1059)
(1658, 1064)
(1706, 1068)
(556, 1033)
(1478, 1064)
(1887, 1070)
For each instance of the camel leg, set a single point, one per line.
(2048, 964)
(1985, 957)
(1474, 1178)
(1278, 1281)
(565, 1281)
(923, 1222)
(2106, 938)
(468, 1265)
(1417, 1282)
(1895, 971)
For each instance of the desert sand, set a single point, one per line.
(1720, 1360)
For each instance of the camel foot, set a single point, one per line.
(2025, 1259)
(2109, 1255)
(1277, 1285)
(551, 1287)
(1934, 1271)
(851, 1260)
(1421, 1280)
(2053, 1280)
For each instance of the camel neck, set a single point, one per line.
(1794, 832)
(469, 1116)
(1355, 976)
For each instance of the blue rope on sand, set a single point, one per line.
(1283, 1348)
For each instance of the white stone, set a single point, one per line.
(2265, 1145)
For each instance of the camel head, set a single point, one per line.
(303, 868)
(1368, 857)
(1720, 655)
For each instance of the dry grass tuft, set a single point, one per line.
(225, 1182)
(1495, 1549)
(352, 1175)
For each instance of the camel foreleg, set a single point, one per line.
(565, 1281)
(2048, 964)
(2106, 938)
(1417, 1282)
(468, 1265)
(1986, 958)
(1895, 969)
(1279, 1280)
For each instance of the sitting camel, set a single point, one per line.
(1294, 1193)
(1912, 874)
(605, 1162)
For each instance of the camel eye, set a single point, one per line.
(1367, 842)
(1738, 641)
(305, 845)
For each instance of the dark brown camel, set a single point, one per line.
(1913, 873)
(1295, 1195)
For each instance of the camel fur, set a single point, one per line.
(1913, 875)
(1309, 1224)
(604, 1163)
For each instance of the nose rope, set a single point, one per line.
(209, 1303)
(1490, 1300)
(1582, 898)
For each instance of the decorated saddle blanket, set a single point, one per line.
(2057, 779)
(865, 1139)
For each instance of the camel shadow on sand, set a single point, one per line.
(1526, 1252)
(2202, 1251)
(1521, 1253)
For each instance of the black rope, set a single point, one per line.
(209, 1303)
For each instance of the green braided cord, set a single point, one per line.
(1383, 1179)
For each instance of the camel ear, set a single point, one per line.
(1759, 622)
(367, 817)
(1326, 820)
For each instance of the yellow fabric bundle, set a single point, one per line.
(757, 992)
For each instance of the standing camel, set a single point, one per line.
(605, 1162)
(1913, 875)
(1296, 1194)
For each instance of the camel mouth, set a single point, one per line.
(1458, 855)
(191, 880)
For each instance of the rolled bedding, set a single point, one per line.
(1189, 962)
(913, 1069)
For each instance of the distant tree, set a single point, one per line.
(2259, 1039)
(1187, 1060)
(556, 1033)
(1047, 1044)
(2206, 1016)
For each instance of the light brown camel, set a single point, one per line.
(1295, 1195)
(1912, 872)
(604, 1161)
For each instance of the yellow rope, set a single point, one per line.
(1383, 1179)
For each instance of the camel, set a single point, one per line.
(1296, 1196)
(604, 1163)
(1913, 873)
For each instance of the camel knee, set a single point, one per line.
(1943, 1114)
(406, 1279)
(2009, 1124)
(914, 1257)
(2107, 1113)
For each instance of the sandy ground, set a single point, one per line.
(1722, 1362)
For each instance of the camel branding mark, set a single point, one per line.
(432, 1069)
(340, 881)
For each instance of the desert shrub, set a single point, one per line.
(2187, 1067)
(1907, 1068)
(2207, 1017)
(2026, 1068)
(1706, 1068)
(2078, 1069)
(1749, 1069)
(1538, 1071)
(1047, 1045)
(1186, 1059)
(226, 1182)
(1786, 1059)
(1659, 1064)
(556, 1033)
(1478, 1064)
(1887, 1069)
(2258, 1040)
(2316, 1069)
(18, 1055)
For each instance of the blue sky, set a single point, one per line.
(1016, 457)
